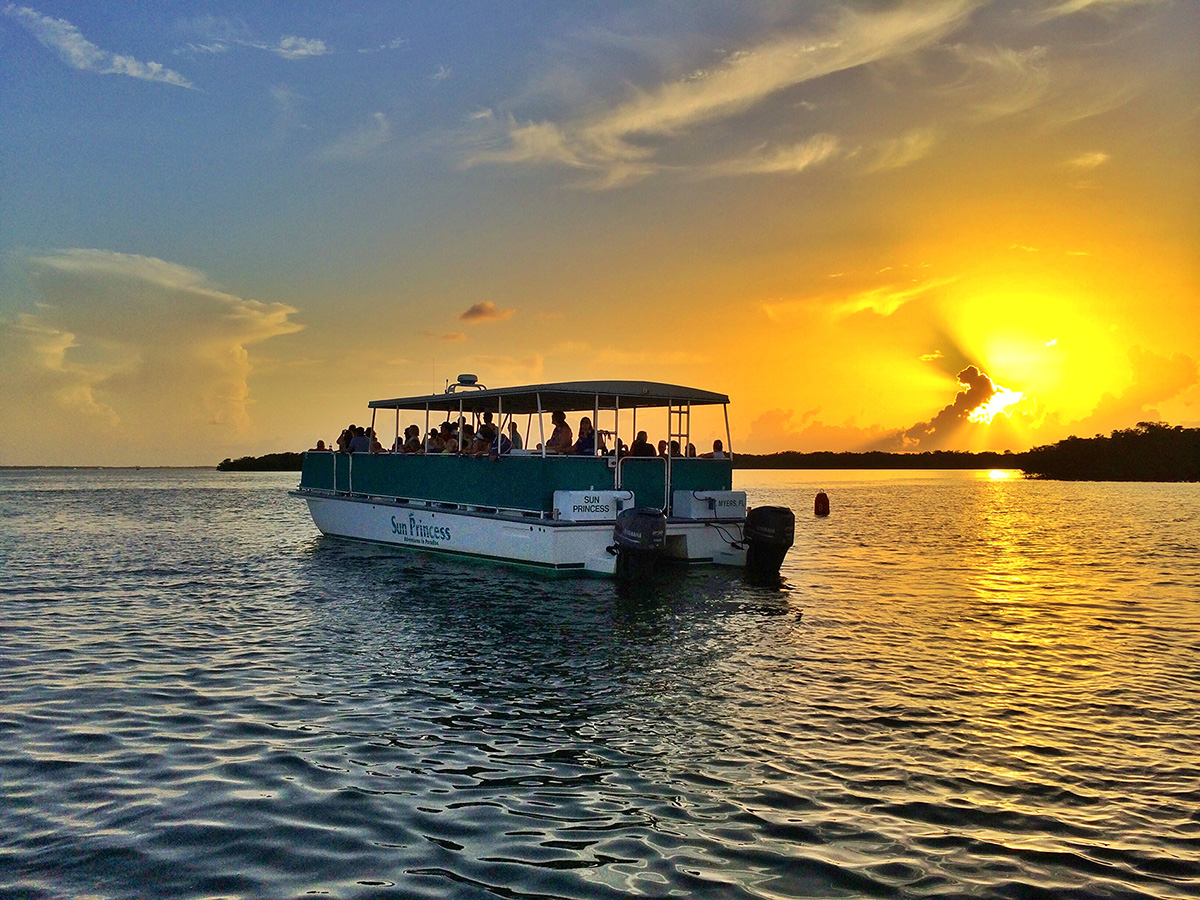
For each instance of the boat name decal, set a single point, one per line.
(419, 532)
(591, 504)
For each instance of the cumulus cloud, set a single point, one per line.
(976, 390)
(485, 312)
(612, 142)
(132, 345)
(80, 53)
(1155, 379)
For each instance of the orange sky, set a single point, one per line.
(828, 213)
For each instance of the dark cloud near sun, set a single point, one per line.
(485, 312)
(977, 389)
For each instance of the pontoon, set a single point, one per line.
(601, 513)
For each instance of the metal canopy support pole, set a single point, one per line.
(541, 424)
(373, 438)
(728, 436)
(426, 426)
(499, 423)
(667, 489)
(617, 442)
(399, 445)
(460, 423)
(596, 426)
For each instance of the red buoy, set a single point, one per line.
(821, 506)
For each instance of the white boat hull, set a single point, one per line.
(547, 544)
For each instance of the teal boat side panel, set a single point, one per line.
(692, 474)
(317, 470)
(646, 477)
(510, 482)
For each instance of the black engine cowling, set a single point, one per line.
(639, 540)
(769, 533)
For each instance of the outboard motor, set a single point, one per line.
(639, 541)
(769, 533)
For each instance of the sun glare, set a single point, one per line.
(1000, 402)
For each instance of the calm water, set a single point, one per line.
(968, 686)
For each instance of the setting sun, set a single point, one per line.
(1001, 402)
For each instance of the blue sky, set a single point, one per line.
(251, 219)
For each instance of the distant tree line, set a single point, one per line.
(272, 462)
(1150, 452)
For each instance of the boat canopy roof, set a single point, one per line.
(569, 396)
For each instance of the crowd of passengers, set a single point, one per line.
(463, 439)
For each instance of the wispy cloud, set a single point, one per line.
(886, 300)
(1068, 7)
(895, 153)
(394, 44)
(80, 53)
(613, 142)
(292, 47)
(359, 143)
(485, 312)
(883, 300)
(1088, 160)
(1000, 81)
(793, 159)
(216, 34)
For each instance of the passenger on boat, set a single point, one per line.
(411, 442)
(433, 443)
(344, 439)
(449, 439)
(641, 446)
(561, 440)
(675, 448)
(482, 442)
(514, 436)
(691, 451)
(360, 443)
(320, 448)
(662, 448)
(376, 447)
(498, 444)
(586, 445)
(718, 451)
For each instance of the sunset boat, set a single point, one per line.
(596, 512)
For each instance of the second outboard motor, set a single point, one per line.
(769, 533)
(639, 541)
